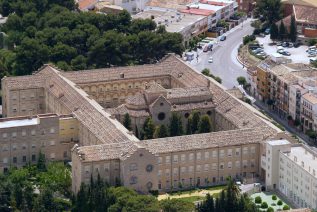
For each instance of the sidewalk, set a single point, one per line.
(301, 136)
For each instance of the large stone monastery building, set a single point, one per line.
(77, 115)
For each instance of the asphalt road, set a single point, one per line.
(225, 64)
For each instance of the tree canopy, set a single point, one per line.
(53, 31)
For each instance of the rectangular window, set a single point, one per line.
(167, 159)
(15, 160)
(237, 164)
(191, 156)
(33, 158)
(206, 167)
(214, 166)
(52, 143)
(214, 154)
(190, 169)
(159, 160)
(237, 151)
(133, 167)
(198, 168)
(14, 134)
(175, 158)
(229, 165)
(183, 169)
(222, 153)
(183, 157)
(24, 159)
(253, 150)
(33, 132)
(198, 155)
(167, 172)
(229, 151)
(221, 166)
(206, 155)
(245, 150)
(175, 171)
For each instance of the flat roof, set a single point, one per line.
(303, 157)
(279, 142)
(174, 21)
(18, 123)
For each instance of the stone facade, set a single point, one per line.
(96, 99)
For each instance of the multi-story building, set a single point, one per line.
(23, 138)
(295, 98)
(309, 111)
(246, 5)
(291, 169)
(105, 147)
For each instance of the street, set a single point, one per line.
(225, 64)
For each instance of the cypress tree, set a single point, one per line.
(127, 121)
(189, 126)
(41, 163)
(161, 131)
(195, 116)
(274, 32)
(176, 126)
(293, 29)
(282, 30)
(204, 124)
(222, 201)
(148, 128)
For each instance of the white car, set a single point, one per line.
(211, 60)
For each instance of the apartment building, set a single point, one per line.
(294, 175)
(105, 147)
(24, 137)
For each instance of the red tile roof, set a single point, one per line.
(198, 11)
(305, 14)
(85, 4)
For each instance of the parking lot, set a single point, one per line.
(298, 55)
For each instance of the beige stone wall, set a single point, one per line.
(139, 171)
(207, 167)
(22, 144)
(112, 94)
(23, 102)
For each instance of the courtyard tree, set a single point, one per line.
(195, 118)
(148, 128)
(41, 162)
(206, 72)
(175, 205)
(127, 121)
(274, 32)
(208, 205)
(161, 131)
(204, 124)
(189, 126)
(176, 126)
(293, 29)
(242, 81)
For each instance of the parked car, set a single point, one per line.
(223, 38)
(261, 35)
(297, 44)
(205, 49)
(279, 43)
(285, 53)
(258, 50)
(312, 55)
(290, 45)
(313, 60)
(285, 44)
(211, 60)
(267, 31)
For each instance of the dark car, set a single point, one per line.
(223, 38)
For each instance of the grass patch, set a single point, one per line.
(213, 188)
(192, 199)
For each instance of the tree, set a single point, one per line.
(176, 125)
(293, 29)
(41, 162)
(241, 81)
(270, 209)
(204, 124)
(274, 197)
(282, 31)
(148, 128)
(127, 121)
(279, 203)
(271, 10)
(258, 200)
(274, 32)
(176, 205)
(206, 72)
(189, 126)
(161, 131)
(207, 205)
(264, 205)
(195, 117)
(286, 207)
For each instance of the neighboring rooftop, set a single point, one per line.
(7, 123)
(171, 4)
(278, 142)
(301, 2)
(311, 97)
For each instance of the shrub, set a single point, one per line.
(258, 200)
(273, 204)
(279, 202)
(264, 205)
(270, 209)
(286, 207)
(274, 197)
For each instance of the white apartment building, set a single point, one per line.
(132, 6)
(309, 111)
(291, 169)
(295, 94)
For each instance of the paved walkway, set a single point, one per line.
(200, 193)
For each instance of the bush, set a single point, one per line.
(258, 200)
(248, 38)
(279, 202)
(312, 42)
(270, 209)
(286, 207)
(274, 197)
(264, 205)
(273, 204)
(256, 31)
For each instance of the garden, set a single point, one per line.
(269, 202)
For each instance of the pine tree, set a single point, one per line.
(282, 30)
(127, 121)
(207, 205)
(204, 124)
(161, 131)
(222, 201)
(195, 116)
(293, 29)
(274, 32)
(176, 126)
(148, 128)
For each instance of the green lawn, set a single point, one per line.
(192, 199)
(267, 197)
(197, 189)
